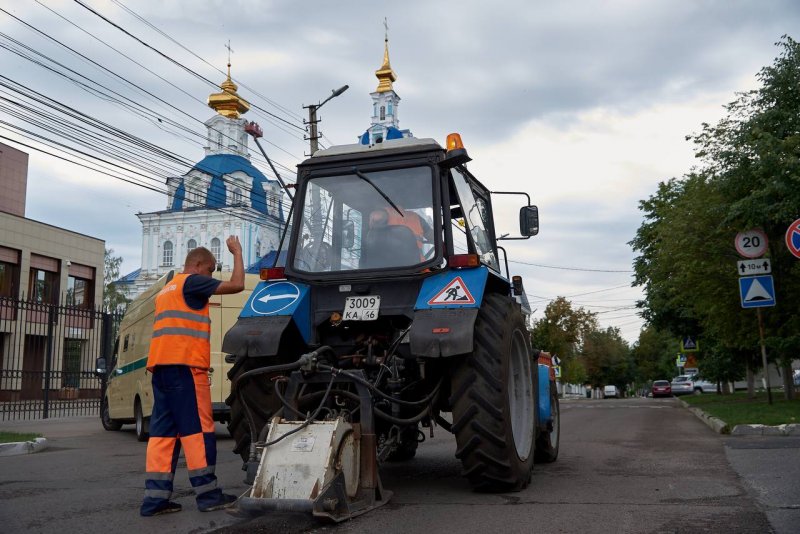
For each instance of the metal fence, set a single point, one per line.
(47, 358)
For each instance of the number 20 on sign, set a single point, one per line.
(751, 244)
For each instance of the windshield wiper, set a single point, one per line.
(378, 189)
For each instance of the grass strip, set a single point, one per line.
(13, 437)
(737, 409)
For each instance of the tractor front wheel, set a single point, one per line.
(493, 400)
(258, 393)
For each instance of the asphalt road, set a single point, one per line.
(630, 465)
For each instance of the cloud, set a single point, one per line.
(584, 105)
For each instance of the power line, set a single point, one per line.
(170, 59)
(559, 267)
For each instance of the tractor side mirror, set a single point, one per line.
(348, 234)
(529, 220)
(100, 367)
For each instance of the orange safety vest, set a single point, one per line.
(181, 335)
(412, 221)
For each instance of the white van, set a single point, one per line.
(610, 392)
(128, 397)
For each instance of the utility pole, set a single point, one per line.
(312, 117)
(317, 231)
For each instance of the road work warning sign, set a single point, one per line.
(455, 292)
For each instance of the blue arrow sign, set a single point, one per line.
(757, 291)
(274, 298)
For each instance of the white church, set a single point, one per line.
(221, 195)
(224, 194)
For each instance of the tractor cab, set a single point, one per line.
(408, 207)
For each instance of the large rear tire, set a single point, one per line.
(547, 442)
(492, 400)
(260, 397)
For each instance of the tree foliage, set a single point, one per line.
(114, 297)
(749, 178)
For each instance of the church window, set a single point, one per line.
(215, 248)
(219, 139)
(191, 245)
(383, 113)
(236, 196)
(390, 108)
(167, 256)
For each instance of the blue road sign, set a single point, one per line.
(274, 298)
(757, 291)
(689, 344)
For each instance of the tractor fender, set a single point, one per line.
(445, 312)
(272, 308)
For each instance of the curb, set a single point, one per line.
(23, 447)
(721, 427)
(765, 430)
(716, 424)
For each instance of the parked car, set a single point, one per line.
(682, 385)
(610, 391)
(688, 384)
(661, 388)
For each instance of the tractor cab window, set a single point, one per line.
(366, 220)
(476, 219)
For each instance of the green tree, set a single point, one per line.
(561, 331)
(654, 356)
(114, 297)
(749, 178)
(608, 359)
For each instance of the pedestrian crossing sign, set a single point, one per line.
(757, 291)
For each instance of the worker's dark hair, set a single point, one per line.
(198, 255)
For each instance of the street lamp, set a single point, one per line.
(312, 117)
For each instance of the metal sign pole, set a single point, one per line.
(764, 355)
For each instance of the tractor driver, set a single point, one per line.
(419, 227)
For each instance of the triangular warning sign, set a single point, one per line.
(757, 292)
(455, 292)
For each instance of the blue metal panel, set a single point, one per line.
(544, 394)
(281, 298)
(461, 288)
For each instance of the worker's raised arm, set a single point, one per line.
(236, 283)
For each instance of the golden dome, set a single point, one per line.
(385, 74)
(228, 103)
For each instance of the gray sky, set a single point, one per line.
(584, 104)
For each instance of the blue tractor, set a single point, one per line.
(389, 311)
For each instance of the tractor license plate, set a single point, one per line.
(361, 308)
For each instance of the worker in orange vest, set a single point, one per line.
(180, 358)
(420, 228)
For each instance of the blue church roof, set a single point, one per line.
(268, 261)
(218, 165)
(129, 278)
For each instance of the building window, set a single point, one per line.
(215, 249)
(79, 292)
(167, 260)
(383, 113)
(43, 286)
(237, 196)
(9, 272)
(71, 364)
(390, 108)
(191, 245)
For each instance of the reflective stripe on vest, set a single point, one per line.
(181, 335)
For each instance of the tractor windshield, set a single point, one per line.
(366, 220)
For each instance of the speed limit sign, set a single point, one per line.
(751, 244)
